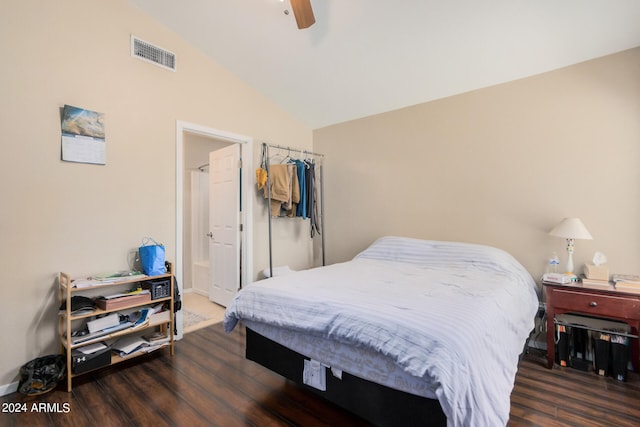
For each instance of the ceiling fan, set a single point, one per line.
(303, 12)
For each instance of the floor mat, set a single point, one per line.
(190, 318)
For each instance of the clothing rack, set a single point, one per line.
(295, 150)
(265, 148)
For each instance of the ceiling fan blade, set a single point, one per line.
(303, 12)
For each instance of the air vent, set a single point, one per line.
(154, 54)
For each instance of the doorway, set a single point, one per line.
(193, 145)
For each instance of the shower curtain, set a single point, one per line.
(199, 230)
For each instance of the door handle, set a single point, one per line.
(210, 234)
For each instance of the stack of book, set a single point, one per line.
(595, 283)
(627, 282)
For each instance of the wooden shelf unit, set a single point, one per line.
(163, 321)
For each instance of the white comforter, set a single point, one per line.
(455, 314)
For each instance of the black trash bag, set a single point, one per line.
(41, 374)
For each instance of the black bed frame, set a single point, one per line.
(378, 404)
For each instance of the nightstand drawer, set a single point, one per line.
(597, 304)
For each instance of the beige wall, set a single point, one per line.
(499, 166)
(80, 218)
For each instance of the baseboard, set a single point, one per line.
(8, 388)
(186, 291)
(199, 292)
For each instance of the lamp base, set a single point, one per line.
(570, 256)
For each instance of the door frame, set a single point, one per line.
(246, 239)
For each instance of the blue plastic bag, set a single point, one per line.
(152, 257)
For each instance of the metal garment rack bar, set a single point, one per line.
(295, 150)
(265, 148)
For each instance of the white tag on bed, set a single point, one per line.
(314, 375)
(336, 372)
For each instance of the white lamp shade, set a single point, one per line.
(571, 228)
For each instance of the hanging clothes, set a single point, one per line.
(301, 210)
(261, 172)
(312, 207)
(261, 178)
(309, 171)
(292, 206)
(285, 190)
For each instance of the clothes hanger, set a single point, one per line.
(275, 158)
(287, 157)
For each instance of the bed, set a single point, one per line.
(440, 322)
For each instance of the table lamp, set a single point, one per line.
(571, 229)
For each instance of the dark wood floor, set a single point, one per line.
(209, 383)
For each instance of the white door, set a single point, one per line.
(224, 224)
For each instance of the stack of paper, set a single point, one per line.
(129, 344)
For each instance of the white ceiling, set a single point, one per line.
(364, 57)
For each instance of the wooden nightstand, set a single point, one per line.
(607, 304)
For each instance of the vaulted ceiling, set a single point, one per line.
(364, 57)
